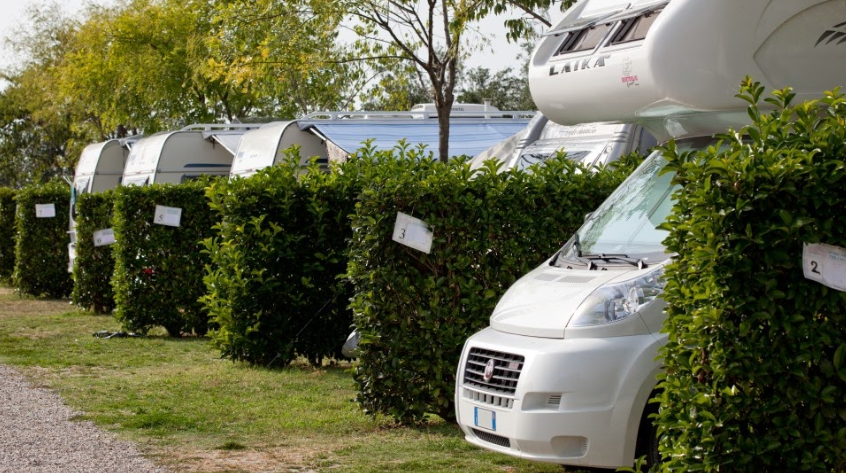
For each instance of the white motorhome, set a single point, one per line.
(590, 144)
(99, 169)
(176, 156)
(333, 136)
(564, 371)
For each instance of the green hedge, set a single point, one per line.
(273, 288)
(41, 245)
(159, 269)
(756, 359)
(94, 265)
(415, 310)
(7, 233)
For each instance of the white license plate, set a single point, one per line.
(485, 419)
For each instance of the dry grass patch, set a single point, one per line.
(258, 460)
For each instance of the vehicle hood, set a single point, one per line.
(541, 303)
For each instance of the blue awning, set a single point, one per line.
(466, 137)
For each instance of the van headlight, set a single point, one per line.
(620, 300)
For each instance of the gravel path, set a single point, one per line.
(37, 436)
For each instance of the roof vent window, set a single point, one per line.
(584, 40)
(634, 29)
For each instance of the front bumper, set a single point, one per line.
(576, 401)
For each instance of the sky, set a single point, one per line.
(13, 14)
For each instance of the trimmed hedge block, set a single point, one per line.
(273, 286)
(94, 265)
(158, 277)
(41, 246)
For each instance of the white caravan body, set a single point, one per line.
(176, 156)
(99, 169)
(590, 144)
(100, 166)
(564, 371)
(264, 147)
(334, 136)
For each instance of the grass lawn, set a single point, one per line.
(191, 411)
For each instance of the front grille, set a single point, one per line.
(506, 370)
(489, 399)
(492, 438)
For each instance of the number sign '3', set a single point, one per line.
(413, 232)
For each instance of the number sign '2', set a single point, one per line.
(825, 264)
(169, 216)
(413, 232)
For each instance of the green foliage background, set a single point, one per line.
(41, 244)
(94, 265)
(158, 277)
(756, 357)
(415, 310)
(273, 288)
(7, 233)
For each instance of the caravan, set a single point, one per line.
(333, 136)
(176, 156)
(564, 371)
(99, 169)
(590, 144)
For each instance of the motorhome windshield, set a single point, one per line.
(541, 150)
(624, 228)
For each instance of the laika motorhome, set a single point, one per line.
(564, 371)
(99, 169)
(176, 156)
(590, 144)
(333, 136)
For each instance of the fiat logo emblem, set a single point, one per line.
(489, 370)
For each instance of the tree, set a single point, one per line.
(283, 54)
(37, 133)
(396, 90)
(136, 65)
(432, 35)
(504, 89)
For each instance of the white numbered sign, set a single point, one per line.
(169, 216)
(45, 210)
(825, 264)
(104, 237)
(413, 232)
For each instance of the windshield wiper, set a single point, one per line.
(577, 246)
(618, 257)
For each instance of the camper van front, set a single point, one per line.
(569, 357)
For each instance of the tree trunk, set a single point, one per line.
(444, 98)
(443, 132)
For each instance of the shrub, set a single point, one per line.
(41, 245)
(273, 288)
(415, 310)
(756, 358)
(158, 277)
(7, 233)
(94, 265)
